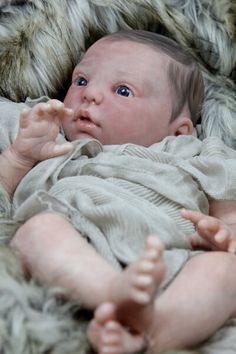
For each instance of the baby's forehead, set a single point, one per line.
(140, 48)
(146, 46)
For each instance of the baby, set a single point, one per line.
(132, 87)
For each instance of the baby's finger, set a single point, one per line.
(62, 149)
(68, 111)
(24, 118)
(59, 110)
(222, 236)
(225, 242)
(52, 150)
(56, 105)
(208, 226)
(194, 216)
(222, 240)
(41, 109)
(232, 247)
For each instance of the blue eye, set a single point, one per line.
(81, 81)
(124, 91)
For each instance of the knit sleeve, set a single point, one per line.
(5, 205)
(214, 169)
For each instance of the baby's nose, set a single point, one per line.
(93, 95)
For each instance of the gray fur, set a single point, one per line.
(32, 321)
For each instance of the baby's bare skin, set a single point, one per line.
(132, 306)
(39, 128)
(107, 335)
(35, 141)
(136, 320)
(214, 233)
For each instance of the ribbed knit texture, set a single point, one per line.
(117, 195)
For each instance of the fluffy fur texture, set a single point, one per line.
(32, 321)
(40, 43)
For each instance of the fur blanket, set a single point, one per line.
(40, 43)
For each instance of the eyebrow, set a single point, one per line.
(128, 74)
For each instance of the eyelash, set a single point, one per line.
(124, 87)
(80, 78)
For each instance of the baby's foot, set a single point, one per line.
(135, 289)
(108, 336)
(130, 313)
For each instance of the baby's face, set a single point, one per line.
(120, 94)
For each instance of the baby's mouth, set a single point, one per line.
(86, 119)
(86, 122)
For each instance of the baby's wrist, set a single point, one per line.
(13, 168)
(17, 159)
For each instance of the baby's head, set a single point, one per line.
(134, 86)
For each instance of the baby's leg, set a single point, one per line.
(196, 304)
(56, 254)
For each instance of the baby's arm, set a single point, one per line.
(217, 231)
(35, 141)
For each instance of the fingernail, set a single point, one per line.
(232, 250)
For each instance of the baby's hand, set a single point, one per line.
(215, 234)
(39, 127)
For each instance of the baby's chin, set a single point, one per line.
(81, 136)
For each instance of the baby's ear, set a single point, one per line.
(182, 126)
